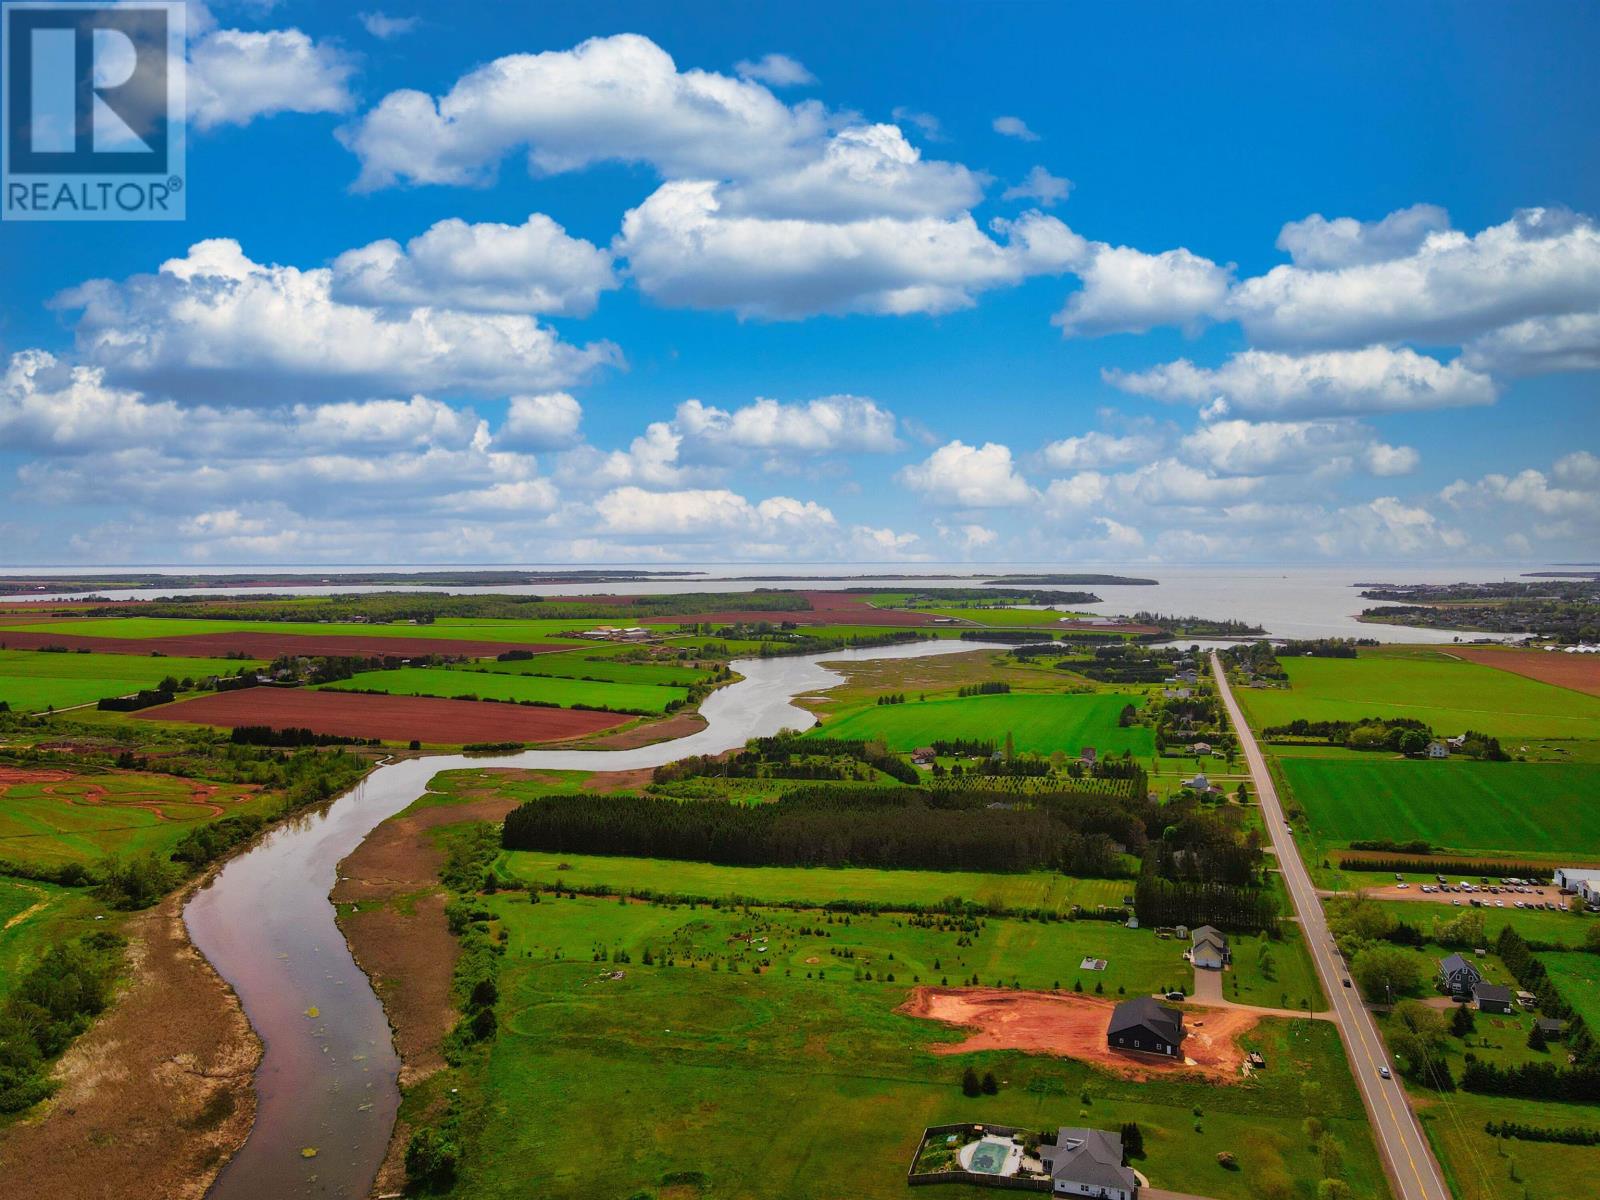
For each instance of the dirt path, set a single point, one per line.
(156, 1096)
(1074, 1026)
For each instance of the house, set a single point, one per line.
(1201, 747)
(1458, 976)
(1552, 1029)
(1087, 756)
(1146, 1026)
(1199, 783)
(1088, 1162)
(922, 756)
(1438, 750)
(1209, 948)
(1491, 997)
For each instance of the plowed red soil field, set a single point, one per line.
(392, 718)
(1074, 1026)
(1580, 672)
(268, 645)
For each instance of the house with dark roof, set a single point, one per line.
(1552, 1028)
(1209, 948)
(1458, 976)
(1491, 997)
(1144, 1025)
(1088, 1162)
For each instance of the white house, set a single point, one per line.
(1209, 948)
(1438, 750)
(1088, 1162)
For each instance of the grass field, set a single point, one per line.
(440, 681)
(35, 916)
(58, 816)
(1044, 890)
(580, 665)
(444, 629)
(1038, 722)
(1577, 978)
(1479, 1167)
(1449, 694)
(1564, 929)
(1458, 804)
(776, 1085)
(32, 680)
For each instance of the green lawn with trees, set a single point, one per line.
(484, 685)
(36, 680)
(1040, 723)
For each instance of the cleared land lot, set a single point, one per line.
(1475, 806)
(725, 1072)
(1447, 693)
(31, 681)
(391, 718)
(1038, 722)
(488, 685)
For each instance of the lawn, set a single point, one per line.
(1577, 978)
(724, 1082)
(60, 815)
(577, 664)
(1044, 890)
(34, 680)
(486, 685)
(1458, 804)
(1273, 974)
(444, 629)
(1564, 929)
(1449, 694)
(1038, 722)
(1480, 1167)
(35, 916)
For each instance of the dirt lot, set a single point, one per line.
(1580, 672)
(268, 646)
(392, 718)
(1074, 1026)
(155, 1097)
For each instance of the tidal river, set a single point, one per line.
(327, 1082)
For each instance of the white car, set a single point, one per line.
(1383, 1073)
(1402, 885)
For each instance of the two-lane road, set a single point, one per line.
(1413, 1173)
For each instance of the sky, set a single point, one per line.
(640, 283)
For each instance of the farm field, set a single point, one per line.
(450, 682)
(445, 629)
(1580, 672)
(1449, 694)
(50, 816)
(1042, 890)
(32, 680)
(581, 665)
(823, 1073)
(388, 718)
(1480, 1167)
(1536, 808)
(1577, 978)
(1037, 722)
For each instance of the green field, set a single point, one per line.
(1037, 722)
(1449, 694)
(578, 664)
(1566, 929)
(1539, 808)
(46, 820)
(1043, 890)
(1577, 978)
(1479, 1167)
(487, 685)
(33, 680)
(445, 629)
(774, 1084)
(33, 917)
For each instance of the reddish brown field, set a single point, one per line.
(1074, 1026)
(269, 645)
(392, 718)
(1580, 672)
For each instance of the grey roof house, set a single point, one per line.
(1209, 948)
(1088, 1162)
(1458, 975)
(1147, 1026)
(1491, 997)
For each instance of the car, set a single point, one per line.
(1456, 902)
(1402, 885)
(1347, 983)
(1383, 1073)
(1175, 995)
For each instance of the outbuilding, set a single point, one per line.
(1491, 997)
(1147, 1026)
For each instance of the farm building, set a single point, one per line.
(1088, 1162)
(1147, 1026)
(1458, 976)
(1209, 948)
(1583, 880)
(1491, 997)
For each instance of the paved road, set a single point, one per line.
(1413, 1173)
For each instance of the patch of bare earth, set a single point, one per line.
(1580, 672)
(676, 726)
(1074, 1026)
(156, 1096)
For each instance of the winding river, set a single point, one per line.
(327, 1087)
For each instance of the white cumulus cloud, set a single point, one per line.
(963, 476)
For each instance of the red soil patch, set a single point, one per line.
(392, 718)
(268, 645)
(676, 726)
(1580, 672)
(1074, 1026)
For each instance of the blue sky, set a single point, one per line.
(647, 283)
